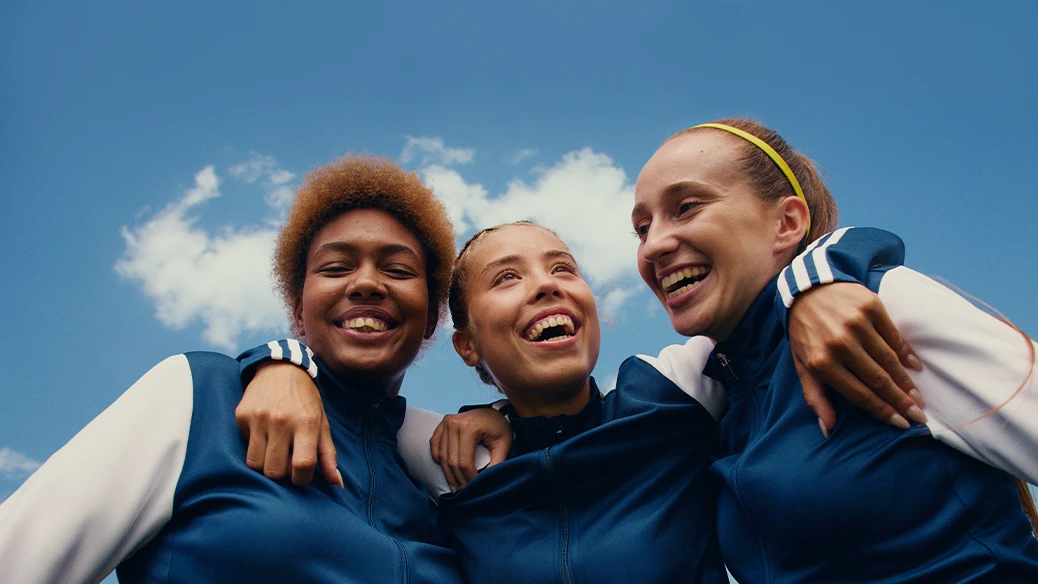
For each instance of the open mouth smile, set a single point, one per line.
(366, 325)
(556, 327)
(683, 281)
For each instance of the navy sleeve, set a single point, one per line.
(289, 350)
(845, 255)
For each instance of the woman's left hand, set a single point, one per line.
(841, 336)
(453, 444)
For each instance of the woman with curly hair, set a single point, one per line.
(157, 486)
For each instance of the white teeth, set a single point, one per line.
(361, 322)
(684, 274)
(562, 320)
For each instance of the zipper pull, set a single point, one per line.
(727, 365)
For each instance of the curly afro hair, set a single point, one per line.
(358, 181)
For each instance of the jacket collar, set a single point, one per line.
(746, 353)
(539, 432)
(352, 405)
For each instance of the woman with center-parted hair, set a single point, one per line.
(157, 486)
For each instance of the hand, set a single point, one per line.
(841, 335)
(282, 416)
(453, 444)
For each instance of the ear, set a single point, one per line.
(793, 217)
(297, 316)
(466, 348)
(432, 320)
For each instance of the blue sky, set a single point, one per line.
(921, 113)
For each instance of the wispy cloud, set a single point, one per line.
(14, 465)
(428, 151)
(517, 156)
(221, 280)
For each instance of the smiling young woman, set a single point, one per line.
(158, 485)
(720, 211)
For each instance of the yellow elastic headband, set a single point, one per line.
(773, 156)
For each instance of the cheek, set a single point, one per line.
(646, 271)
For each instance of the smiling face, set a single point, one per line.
(532, 319)
(708, 244)
(365, 304)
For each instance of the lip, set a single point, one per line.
(367, 312)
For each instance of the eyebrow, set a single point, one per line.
(680, 187)
(389, 249)
(509, 259)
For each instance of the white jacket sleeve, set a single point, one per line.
(973, 364)
(105, 493)
(683, 365)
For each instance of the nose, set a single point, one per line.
(546, 285)
(659, 241)
(366, 282)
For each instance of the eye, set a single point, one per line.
(505, 277)
(564, 267)
(641, 230)
(333, 269)
(687, 206)
(401, 272)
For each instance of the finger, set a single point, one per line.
(467, 440)
(499, 449)
(861, 396)
(435, 448)
(894, 343)
(278, 456)
(256, 453)
(327, 457)
(304, 457)
(814, 394)
(871, 363)
(454, 457)
(442, 451)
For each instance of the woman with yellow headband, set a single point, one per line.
(733, 203)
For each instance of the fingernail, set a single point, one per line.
(899, 421)
(914, 362)
(342, 484)
(916, 414)
(917, 397)
(825, 433)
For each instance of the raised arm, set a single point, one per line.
(283, 418)
(282, 415)
(107, 492)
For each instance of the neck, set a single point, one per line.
(372, 381)
(562, 401)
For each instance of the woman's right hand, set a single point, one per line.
(453, 444)
(282, 416)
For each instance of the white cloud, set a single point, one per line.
(428, 151)
(520, 155)
(16, 465)
(263, 169)
(610, 303)
(222, 280)
(585, 197)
